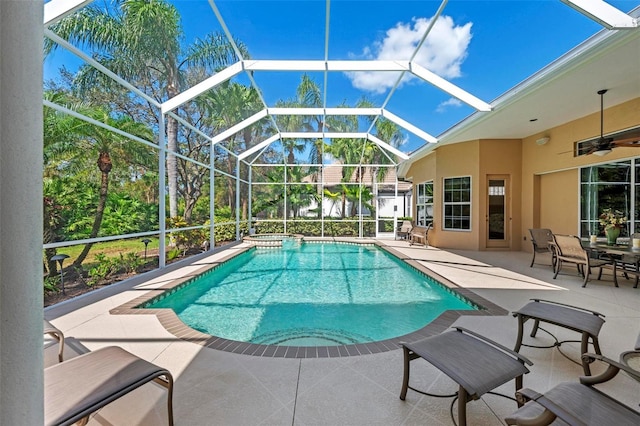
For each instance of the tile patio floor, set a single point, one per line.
(220, 388)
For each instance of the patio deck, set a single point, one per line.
(222, 388)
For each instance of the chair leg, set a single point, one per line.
(534, 329)
(405, 377)
(534, 258)
(521, 321)
(463, 397)
(557, 269)
(586, 277)
(518, 387)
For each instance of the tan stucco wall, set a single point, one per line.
(544, 179)
(502, 157)
(559, 198)
(458, 160)
(550, 172)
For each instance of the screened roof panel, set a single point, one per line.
(454, 65)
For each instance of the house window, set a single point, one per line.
(457, 203)
(612, 185)
(424, 203)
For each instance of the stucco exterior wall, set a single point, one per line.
(502, 158)
(559, 202)
(458, 160)
(550, 179)
(544, 179)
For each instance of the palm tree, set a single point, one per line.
(60, 133)
(88, 138)
(227, 105)
(392, 134)
(140, 41)
(291, 123)
(347, 152)
(300, 195)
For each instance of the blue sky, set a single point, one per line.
(484, 47)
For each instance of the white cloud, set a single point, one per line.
(443, 51)
(451, 102)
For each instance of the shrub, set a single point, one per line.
(51, 284)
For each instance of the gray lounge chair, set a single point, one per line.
(76, 388)
(478, 365)
(577, 403)
(541, 239)
(585, 321)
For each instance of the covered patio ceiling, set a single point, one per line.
(562, 91)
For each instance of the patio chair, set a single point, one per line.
(478, 365)
(56, 334)
(405, 229)
(569, 249)
(577, 403)
(78, 387)
(541, 239)
(420, 235)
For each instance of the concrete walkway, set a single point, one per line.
(215, 387)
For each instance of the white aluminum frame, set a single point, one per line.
(55, 10)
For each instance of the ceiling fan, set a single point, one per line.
(603, 146)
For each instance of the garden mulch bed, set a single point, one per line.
(74, 285)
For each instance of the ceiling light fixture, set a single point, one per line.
(602, 152)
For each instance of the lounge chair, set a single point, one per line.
(541, 239)
(478, 365)
(569, 249)
(420, 235)
(577, 403)
(404, 229)
(78, 387)
(585, 321)
(56, 334)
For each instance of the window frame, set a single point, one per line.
(424, 203)
(446, 203)
(590, 189)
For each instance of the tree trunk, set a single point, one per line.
(190, 203)
(104, 162)
(172, 165)
(245, 208)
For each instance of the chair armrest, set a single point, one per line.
(497, 345)
(609, 373)
(552, 410)
(569, 306)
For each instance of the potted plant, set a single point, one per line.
(612, 220)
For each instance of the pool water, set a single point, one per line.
(311, 294)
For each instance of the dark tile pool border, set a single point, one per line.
(175, 326)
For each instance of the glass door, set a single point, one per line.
(498, 212)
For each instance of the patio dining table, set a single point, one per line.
(617, 252)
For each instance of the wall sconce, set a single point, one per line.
(543, 140)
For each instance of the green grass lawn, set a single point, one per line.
(111, 249)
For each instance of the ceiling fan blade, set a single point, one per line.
(635, 141)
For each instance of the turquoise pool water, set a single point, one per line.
(311, 294)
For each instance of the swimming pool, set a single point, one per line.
(311, 294)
